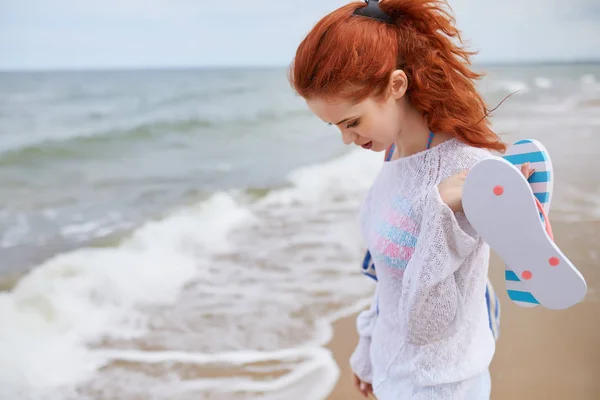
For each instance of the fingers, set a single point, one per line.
(364, 389)
(356, 382)
(526, 170)
(369, 390)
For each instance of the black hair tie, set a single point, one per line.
(373, 11)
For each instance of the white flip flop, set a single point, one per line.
(542, 185)
(501, 207)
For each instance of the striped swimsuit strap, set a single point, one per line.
(390, 151)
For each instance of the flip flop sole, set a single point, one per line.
(501, 207)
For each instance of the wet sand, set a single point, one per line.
(540, 354)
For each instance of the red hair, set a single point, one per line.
(353, 58)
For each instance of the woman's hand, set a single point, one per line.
(451, 188)
(451, 191)
(365, 388)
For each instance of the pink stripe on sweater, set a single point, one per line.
(390, 249)
(403, 222)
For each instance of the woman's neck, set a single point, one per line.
(414, 136)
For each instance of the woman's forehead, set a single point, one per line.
(334, 110)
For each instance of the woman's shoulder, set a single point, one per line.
(458, 156)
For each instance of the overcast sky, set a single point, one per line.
(42, 34)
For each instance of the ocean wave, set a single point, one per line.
(87, 92)
(83, 143)
(505, 86)
(588, 79)
(543, 83)
(76, 298)
(202, 95)
(71, 320)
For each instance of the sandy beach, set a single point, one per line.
(540, 354)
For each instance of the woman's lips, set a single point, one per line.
(367, 146)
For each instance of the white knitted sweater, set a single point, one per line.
(427, 334)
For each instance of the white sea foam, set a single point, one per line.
(588, 79)
(76, 298)
(543, 83)
(506, 86)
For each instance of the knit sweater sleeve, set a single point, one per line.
(360, 361)
(432, 299)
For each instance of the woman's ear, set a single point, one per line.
(398, 84)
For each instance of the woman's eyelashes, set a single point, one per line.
(353, 124)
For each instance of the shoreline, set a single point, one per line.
(540, 354)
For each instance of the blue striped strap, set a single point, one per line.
(518, 159)
(511, 276)
(539, 177)
(524, 297)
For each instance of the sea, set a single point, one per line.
(193, 234)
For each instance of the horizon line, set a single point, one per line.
(124, 68)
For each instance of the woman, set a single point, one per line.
(394, 72)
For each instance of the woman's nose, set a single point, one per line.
(348, 137)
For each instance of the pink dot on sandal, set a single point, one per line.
(527, 275)
(554, 261)
(498, 190)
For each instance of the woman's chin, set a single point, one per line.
(378, 147)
